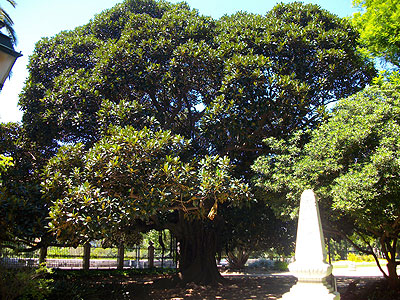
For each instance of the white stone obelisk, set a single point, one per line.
(310, 265)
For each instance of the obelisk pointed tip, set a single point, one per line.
(308, 194)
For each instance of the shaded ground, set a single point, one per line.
(236, 287)
(249, 287)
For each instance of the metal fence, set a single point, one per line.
(100, 258)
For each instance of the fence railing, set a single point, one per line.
(100, 258)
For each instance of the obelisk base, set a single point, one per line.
(311, 291)
(311, 284)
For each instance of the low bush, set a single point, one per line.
(103, 253)
(281, 265)
(24, 284)
(100, 284)
(261, 263)
(267, 264)
(360, 258)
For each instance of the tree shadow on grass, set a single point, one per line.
(234, 288)
(163, 287)
(259, 287)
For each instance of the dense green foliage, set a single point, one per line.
(161, 111)
(125, 67)
(5, 162)
(260, 233)
(379, 24)
(256, 76)
(25, 283)
(279, 71)
(130, 176)
(351, 162)
(23, 212)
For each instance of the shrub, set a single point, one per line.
(261, 263)
(280, 265)
(354, 257)
(24, 284)
(360, 258)
(368, 258)
(103, 253)
(267, 264)
(337, 257)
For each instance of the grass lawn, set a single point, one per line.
(346, 263)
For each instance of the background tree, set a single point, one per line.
(255, 229)
(379, 24)
(5, 162)
(352, 164)
(23, 212)
(280, 71)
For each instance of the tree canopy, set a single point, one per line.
(237, 80)
(133, 175)
(280, 71)
(23, 212)
(351, 162)
(135, 62)
(379, 24)
(158, 71)
(136, 179)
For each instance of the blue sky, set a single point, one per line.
(45, 18)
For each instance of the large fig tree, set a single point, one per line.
(223, 85)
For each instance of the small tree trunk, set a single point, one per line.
(150, 255)
(42, 255)
(237, 259)
(86, 256)
(120, 258)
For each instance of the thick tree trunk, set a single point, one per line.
(197, 250)
(393, 278)
(389, 247)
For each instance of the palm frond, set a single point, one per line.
(5, 17)
(12, 2)
(7, 22)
